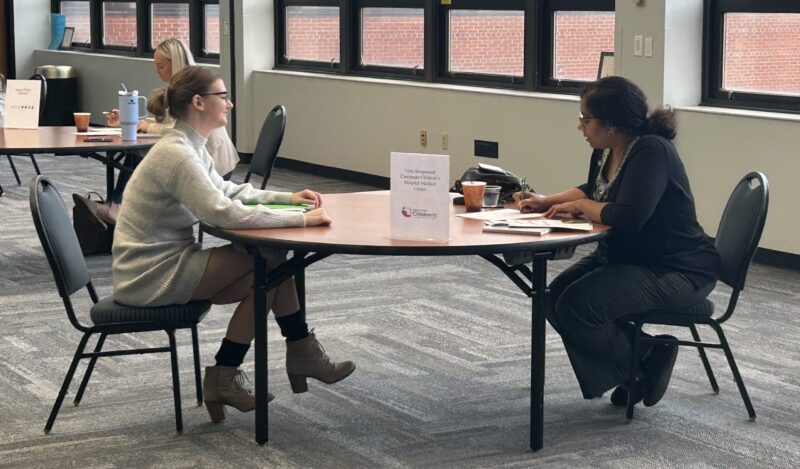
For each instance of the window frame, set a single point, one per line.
(713, 57)
(436, 42)
(143, 48)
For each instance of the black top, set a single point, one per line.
(651, 209)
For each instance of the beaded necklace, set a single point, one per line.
(603, 187)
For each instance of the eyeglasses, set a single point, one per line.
(585, 118)
(221, 94)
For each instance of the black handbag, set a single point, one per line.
(94, 235)
(493, 176)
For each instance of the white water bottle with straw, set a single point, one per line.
(129, 114)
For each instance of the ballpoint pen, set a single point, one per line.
(523, 183)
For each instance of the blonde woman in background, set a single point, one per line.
(170, 57)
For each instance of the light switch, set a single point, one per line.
(637, 45)
(648, 47)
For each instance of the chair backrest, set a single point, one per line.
(740, 228)
(269, 141)
(58, 238)
(43, 99)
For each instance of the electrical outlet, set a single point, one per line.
(423, 138)
(637, 45)
(648, 47)
(445, 141)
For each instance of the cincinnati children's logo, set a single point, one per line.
(410, 212)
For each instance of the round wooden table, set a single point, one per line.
(63, 141)
(361, 226)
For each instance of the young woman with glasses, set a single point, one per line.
(156, 260)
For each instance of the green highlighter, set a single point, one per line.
(285, 207)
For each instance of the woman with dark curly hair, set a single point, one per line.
(657, 255)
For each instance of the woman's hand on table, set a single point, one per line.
(316, 217)
(308, 197)
(534, 203)
(572, 209)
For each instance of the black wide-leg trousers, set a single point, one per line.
(589, 298)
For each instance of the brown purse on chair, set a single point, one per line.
(94, 235)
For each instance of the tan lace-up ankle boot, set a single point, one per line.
(225, 385)
(305, 358)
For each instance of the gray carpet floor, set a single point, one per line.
(442, 347)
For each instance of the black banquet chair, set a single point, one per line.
(737, 238)
(108, 318)
(266, 151)
(267, 146)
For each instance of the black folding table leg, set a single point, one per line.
(538, 305)
(35, 166)
(97, 348)
(13, 169)
(67, 379)
(196, 352)
(260, 309)
(176, 383)
(704, 359)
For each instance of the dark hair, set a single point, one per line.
(618, 102)
(177, 96)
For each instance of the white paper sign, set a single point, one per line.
(420, 201)
(22, 104)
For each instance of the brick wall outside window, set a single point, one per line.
(762, 52)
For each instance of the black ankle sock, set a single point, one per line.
(231, 353)
(293, 326)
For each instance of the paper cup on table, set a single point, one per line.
(473, 195)
(82, 120)
(491, 196)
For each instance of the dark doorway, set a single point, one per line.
(7, 39)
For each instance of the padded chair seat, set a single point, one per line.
(107, 311)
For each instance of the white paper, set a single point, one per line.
(22, 104)
(500, 214)
(420, 197)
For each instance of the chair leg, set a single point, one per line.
(67, 379)
(200, 234)
(637, 345)
(247, 177)
(735, 370)
(35, 166)
(176, 388)
(13, 169)
(704, 359)
(89, 370)
(196, 351)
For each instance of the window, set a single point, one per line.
(752, 54)
(136, 27)
(311, 34)
(391, 37)
(523, 44)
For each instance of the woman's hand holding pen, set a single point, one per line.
(307, 197)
